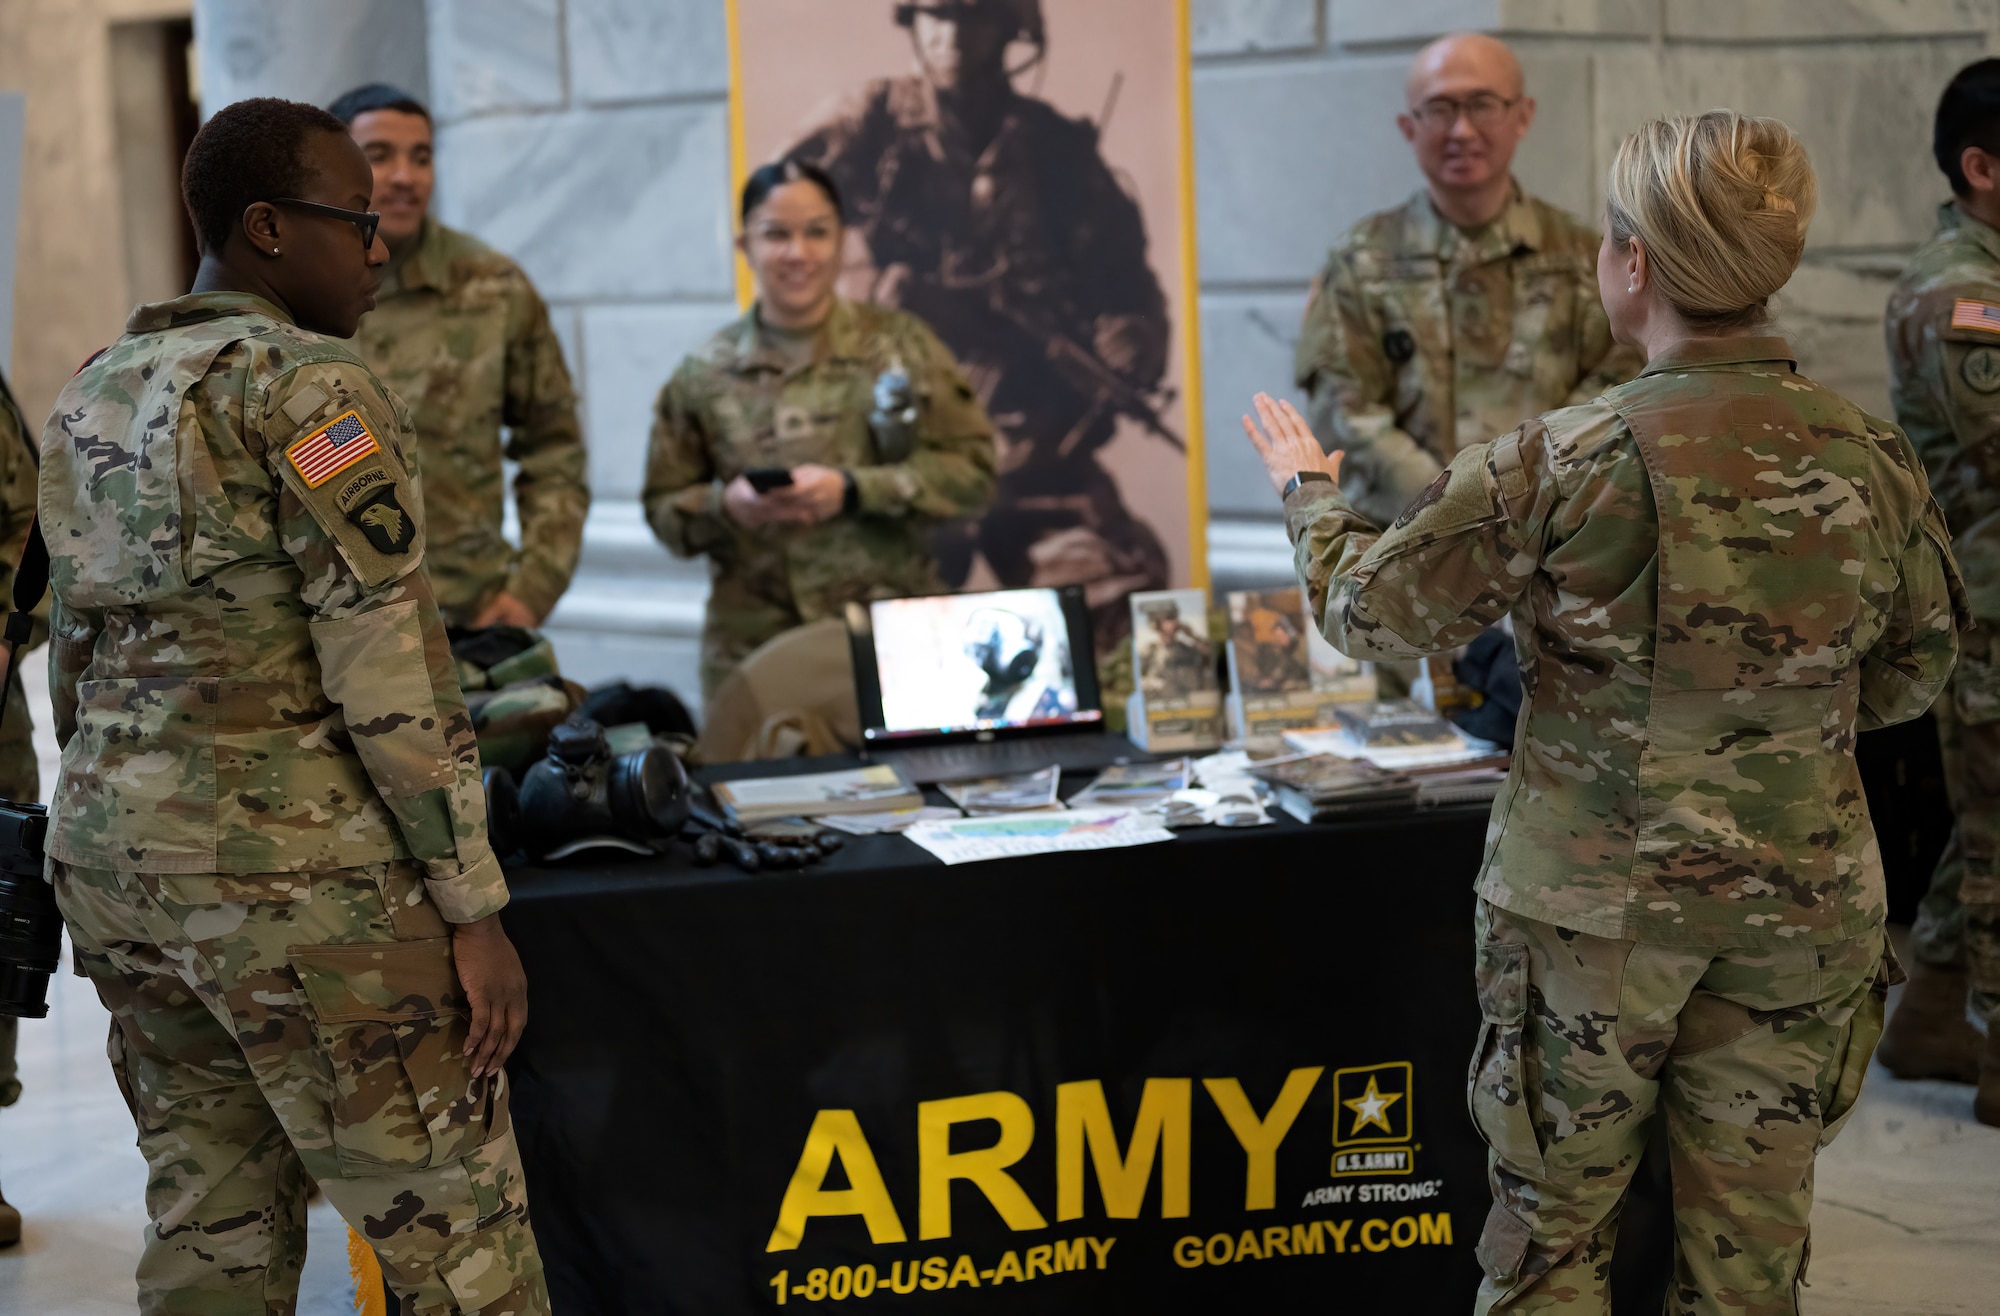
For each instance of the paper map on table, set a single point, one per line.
(1005, 835)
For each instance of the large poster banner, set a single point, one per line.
(1017, 173)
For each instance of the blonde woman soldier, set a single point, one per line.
(1718, 573)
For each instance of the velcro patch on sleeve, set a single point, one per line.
(331, 449)
(1971, 313)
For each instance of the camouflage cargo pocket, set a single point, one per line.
(392, 1020)
(1857, 1047)
(1498, 1091)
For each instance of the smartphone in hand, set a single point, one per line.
(766, 478)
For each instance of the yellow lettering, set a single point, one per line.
(1038, 1261)
(1009, 1267)
(986, 1168)
(1228, 1250)
(1069, 1254)
(1368, 1239)
(1277, 1241)
(1246, 1247)
(1434, 1228)
(1162, 1125)
(836, 1132)
(1396, 1234)
(896, 1283)
(934, 1273)
(1260, 1137)
(1101, 1249)
(1306, 1240)
(1337, 1232)
(962, 1273)
(1187, 1252)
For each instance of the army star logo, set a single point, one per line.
(1981, 370)
(381, 517)
(1372, 1107)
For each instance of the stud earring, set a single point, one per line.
(1630, 287)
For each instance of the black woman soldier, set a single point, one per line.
(268, 838)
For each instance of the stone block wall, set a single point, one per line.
(589, 139)
(1295, 99)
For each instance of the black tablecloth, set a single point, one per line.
(690, 1028)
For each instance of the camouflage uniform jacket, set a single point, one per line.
(1718, 574)
(248, 669)
(1422, 339)
(1944, 368)
(460, 335)
(734, 405)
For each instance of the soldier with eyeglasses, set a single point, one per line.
(1450, 319)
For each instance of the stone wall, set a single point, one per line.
(589, 139)
(72, 286)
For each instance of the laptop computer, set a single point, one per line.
(954, 686)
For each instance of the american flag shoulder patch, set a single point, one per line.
(331, 449)
(1970, 313)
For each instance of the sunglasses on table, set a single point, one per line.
(365, 220)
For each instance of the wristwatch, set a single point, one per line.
(1303, 477)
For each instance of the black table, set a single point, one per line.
(692, 1029)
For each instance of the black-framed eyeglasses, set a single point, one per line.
(1484, 109)
(365, 220)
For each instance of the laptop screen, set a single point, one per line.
(956, 663)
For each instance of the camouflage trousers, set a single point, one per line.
(1752, 1057)
(260, 1026)
(1958, 921)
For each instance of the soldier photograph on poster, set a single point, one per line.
(1011, 173)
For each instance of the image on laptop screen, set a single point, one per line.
(974, 662)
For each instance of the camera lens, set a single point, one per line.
(30, 944)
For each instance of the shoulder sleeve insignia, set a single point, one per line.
(1969, 313)
(331, 449)
(1424, 499)
(380, 516)
(1980, 369)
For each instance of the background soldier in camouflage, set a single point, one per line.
(861, 406)
(19, 779)
(994, 219)
(1944, 358)
(269, 839)
(1719, 574)
(1469, 308)
(460, 335)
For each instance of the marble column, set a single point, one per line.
(307, 50)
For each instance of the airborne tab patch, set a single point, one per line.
(331, 449)
(1968, 313)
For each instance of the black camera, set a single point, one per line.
(585, 793)
(30, 923)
